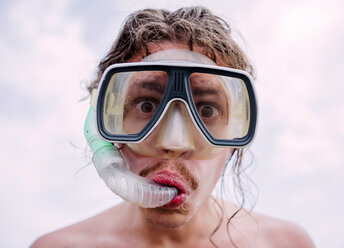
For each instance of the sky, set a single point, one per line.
(50, 50)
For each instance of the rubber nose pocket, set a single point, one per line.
(176, 130)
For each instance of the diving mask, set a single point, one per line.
(134, 97)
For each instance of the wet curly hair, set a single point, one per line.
(189, 25)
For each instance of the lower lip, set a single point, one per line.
(176, 201)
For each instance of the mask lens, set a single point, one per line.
(222, 103)
(131, 100)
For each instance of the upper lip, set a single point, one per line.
(169, 178)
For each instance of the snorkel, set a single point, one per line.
(112, 169)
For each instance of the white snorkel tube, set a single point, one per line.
(112, 169)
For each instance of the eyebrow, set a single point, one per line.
(205, 91)
(153, 86)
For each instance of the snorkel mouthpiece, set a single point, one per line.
(112, 169)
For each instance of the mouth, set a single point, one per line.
(171, 179)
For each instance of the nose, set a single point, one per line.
(175, 134)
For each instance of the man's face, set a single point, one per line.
(176, 154)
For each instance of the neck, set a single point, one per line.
(198, 228)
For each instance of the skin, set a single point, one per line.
(187, 225)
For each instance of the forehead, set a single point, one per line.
(168, 45)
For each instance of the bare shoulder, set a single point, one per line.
(280, 233)
(251, 229)
(87, 233)
(58, 238)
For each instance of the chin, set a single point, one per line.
(167, 217)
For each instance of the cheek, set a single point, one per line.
(210, 170)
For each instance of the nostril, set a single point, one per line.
(175, 153)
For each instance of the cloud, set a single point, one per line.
(297, 47)
(43, 60)
(296, 90)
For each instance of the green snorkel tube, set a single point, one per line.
(113, 170)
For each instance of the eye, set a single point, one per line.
(207, 111)
(146, 106)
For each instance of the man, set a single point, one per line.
(177, 118)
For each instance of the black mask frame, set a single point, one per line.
(178, 87)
